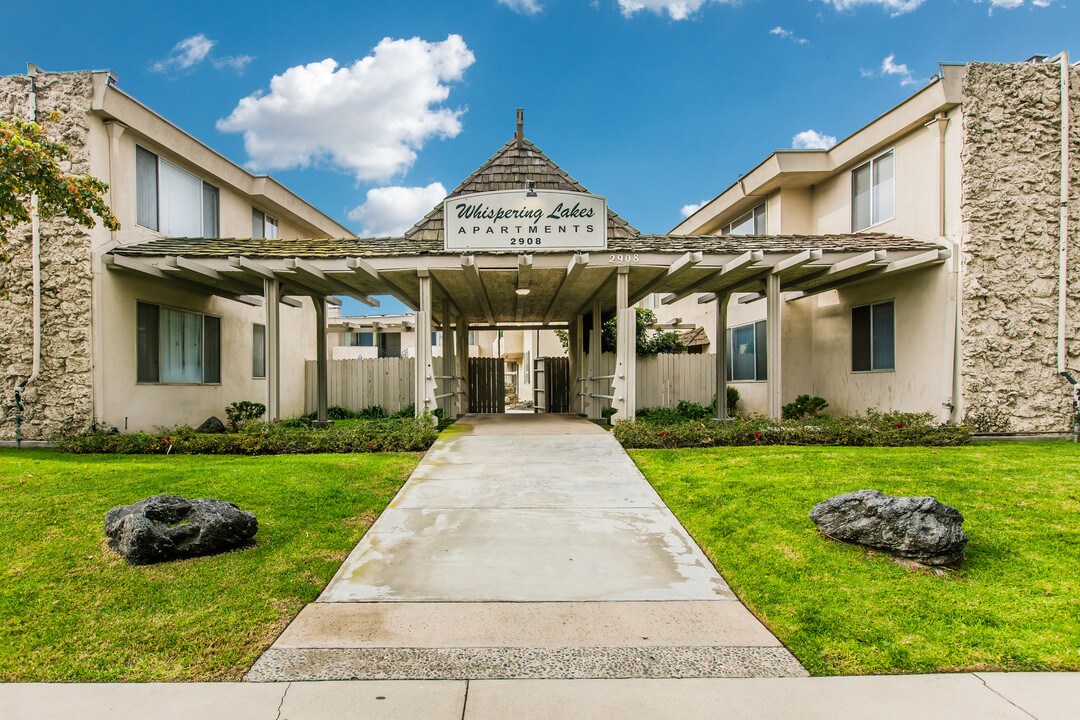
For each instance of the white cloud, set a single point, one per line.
(895, 7)
(675, 9)
(233, 62)
(525, 7)
(369, 118)
(186, 54)
(393, 210)
(891, 68)
(1013, 4)
(688, 210)
(788, 35)
(812, 140)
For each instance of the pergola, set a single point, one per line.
(458, 292)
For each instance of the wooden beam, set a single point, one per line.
(472, 276)
(524, 271)
(678, 268)
(438, 287)
(138, 268)
(608, 279)
(304, 273)
(196, 272)
(740, 263)
(796, 261)
(573, 273)
(852, 263)
(933, 257)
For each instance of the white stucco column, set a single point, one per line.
(321, 389)
(272, 302)
(595, 349)
(625, 385)
(425, 386)
(462, 366)
(720, 347)
(773, 327)
(577, 362)
(448, 369)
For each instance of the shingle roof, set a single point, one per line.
(509, 169)
(397, 246)
(695, 337)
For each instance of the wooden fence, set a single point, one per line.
(662, 381)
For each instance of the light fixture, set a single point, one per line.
(530, 188)
(522, 291)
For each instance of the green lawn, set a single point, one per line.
(70, 611)
(1013, 605)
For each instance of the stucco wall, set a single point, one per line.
(62, 394)
(1010, 201)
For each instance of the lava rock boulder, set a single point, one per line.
(211, 425)
(916, 528)
(169, 527)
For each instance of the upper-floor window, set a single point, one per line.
(360, 339)
(176, 346)
(873, 338)
(747, 358)
(751, 222)
(872, 192)
(262, 225)
(171, 200)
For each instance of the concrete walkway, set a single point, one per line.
(525, 546)
(982, 696)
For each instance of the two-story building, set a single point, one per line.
(975, 162)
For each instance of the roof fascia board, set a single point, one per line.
(113, 103)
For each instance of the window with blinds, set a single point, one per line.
(173, 201)
(176, 346)
(873, 338)
(747, 354)
(262, 225)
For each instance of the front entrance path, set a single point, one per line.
(525, 546)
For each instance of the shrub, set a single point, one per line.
(371, 412)
(243, 412)
(803, 407)
(406, 412)
(732, 400)
(336, 412)
(872, 429)
(262, 438)
(297, 422)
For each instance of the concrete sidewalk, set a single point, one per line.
(982, 696)
(525, 546)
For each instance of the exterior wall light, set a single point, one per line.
(530, 188)
(522, 291)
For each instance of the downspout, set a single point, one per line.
(35, 261)
(1063, 239)
(952, 290)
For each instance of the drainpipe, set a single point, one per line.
(35, 260)
(1063, 240)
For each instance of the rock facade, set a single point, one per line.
(62, 395)
(915, 528)
(169, 527)
(1010, 200)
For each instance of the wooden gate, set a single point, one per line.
(487, 394)
(551, 383)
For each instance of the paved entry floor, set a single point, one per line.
(525, 546)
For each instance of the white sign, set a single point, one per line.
(515, 220)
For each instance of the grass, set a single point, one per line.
(842, 610)
(72, 611)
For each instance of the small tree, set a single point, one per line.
(30, 163)
(661, 341)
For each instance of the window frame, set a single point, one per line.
(206, 186)
(851, 318)
(254, 346)
(753, 213)
(263, 218)
(203, 344)
(870, 164)
(729, 361)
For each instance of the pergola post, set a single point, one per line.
(425, 386)
(448, 369)
(625, 385)
(720, 345)
(572, 356)
(773, 318)
(594, 386)
(577, 369)
(462, 370)
(272, 302)
(320, 361)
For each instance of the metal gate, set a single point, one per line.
(487, 393)
(551, 385)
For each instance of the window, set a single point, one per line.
(172, 200)
(472, 337)
(360, 339)
(872, 200)
(258, 350)
(873, 343)
(389, 345)
(750, 223)
(176, 346)
(436, 338)
(747, 358)
(262, 225)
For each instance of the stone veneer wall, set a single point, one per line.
(1010, 207)
(62, 395)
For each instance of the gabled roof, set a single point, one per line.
(509, 169)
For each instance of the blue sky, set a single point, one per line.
(656, 104)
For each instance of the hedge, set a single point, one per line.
(398, 435)
(879, 429)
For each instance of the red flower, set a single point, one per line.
(757, 434)
(663, 433)
(900, 425)
(167, 441)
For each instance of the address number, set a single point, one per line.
(526, 241)
(622, 259)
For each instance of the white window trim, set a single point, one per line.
(851, 332)
(158, 231)
(221, 354)
(764, 205)
(851, 191)
(730, 362)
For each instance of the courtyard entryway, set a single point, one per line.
(525, 546)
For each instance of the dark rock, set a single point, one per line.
(211, 425)
(917, 528)
(168, 527)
